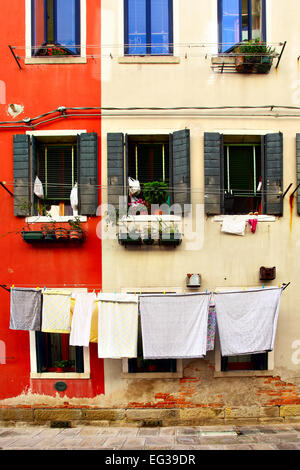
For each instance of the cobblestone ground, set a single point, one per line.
(267, 437)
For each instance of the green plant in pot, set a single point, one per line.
(64, 364)
(155, 192)
(76, 230)
(255, 56)
(149, 235)
(169, 233)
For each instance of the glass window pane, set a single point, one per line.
(38, 23)
(160, 27)
(230, 20)
(257, 19)
(245, 20)
(137, 27)
(67, 24)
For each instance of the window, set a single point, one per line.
(59, 159)
(57, 170)
(245, 362)
(148, 27)
(149, 158)
(55, 27)
(242, 176)
(243, 173)
(53, 354)
(240, 20)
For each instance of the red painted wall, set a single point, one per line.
(40, 89)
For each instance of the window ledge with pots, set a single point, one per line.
(150, 230)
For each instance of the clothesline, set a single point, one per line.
(97, 287)
(172, 325)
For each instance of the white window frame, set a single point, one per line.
(45, 219)
(34, 374)
(82, 59)
(151, 375)
(239, 373)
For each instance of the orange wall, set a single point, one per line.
(40, 89)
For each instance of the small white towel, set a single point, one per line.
(117, 325)
(82, 316)
(234, 225)
(174, 326)
(247, 320)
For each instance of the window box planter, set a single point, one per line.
(61, 233)
(253, 64)
(32, 235)
(173, 239)
(130, 238)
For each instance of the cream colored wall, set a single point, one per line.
(222, 260)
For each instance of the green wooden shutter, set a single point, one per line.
(213, 173)
(115, 167)
(298, 170)
(21, 172)
(87, 173)
(273, 156)
(181, 178)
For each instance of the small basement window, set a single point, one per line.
(54, 354)
(245, 362)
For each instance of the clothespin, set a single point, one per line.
(243, 288)
(37, 288)
(164, 292)
(12, 286)
(263, 286)
(206, 291)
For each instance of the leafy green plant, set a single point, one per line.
(64, 364)
(75, 223)
(155, 192)
(254, 47)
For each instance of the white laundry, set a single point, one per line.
(234, 225)
(174, 326)
(247, 320)
(82, 316)
(117, 325)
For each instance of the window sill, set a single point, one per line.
(60, 375)
(244, 373)
(148, 60)
(55, 60)
(246, 217)
(62, 218)
(151, 375)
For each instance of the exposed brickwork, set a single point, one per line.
(275, 391)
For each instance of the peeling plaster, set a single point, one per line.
(15, 109)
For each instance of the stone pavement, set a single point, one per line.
(259, 437)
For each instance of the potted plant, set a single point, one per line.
(149, 235)
(131, 237)
(64, 365)
(49, 231)
(61, 233)
(169, 234)
(155, 192)
(76, 231)
(253, 56)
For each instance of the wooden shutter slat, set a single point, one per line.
(273, 173)
(181, 167)
(213, 173)
(115, 167)
(87, 173)
(21, 173)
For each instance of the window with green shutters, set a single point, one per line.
(148, 158)
(59, 162)
(243, 173)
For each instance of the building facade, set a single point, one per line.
(182, 103)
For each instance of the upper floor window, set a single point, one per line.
(240, 20)
(148, 27)
(55, 27)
